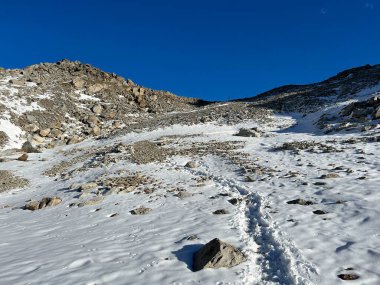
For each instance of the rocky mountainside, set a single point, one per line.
(67, 101)
(312, 97)
(51, 104)
(103, 181)
(343, 89)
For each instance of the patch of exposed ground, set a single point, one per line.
(9, 181)
(3, 138)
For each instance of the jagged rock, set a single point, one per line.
(23, 157)
(191, 164)
(28, 148)
(45, 202)
(217, 254)
(44, 132)
(140, 211)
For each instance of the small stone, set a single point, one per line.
(220, 212)
(330, 175)
(234, 201)
(319, 212)
(349, 276)
(191, 164)
(140, 211)
(300, 202)
(192, 237)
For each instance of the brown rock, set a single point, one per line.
(217, 254)
(97, 109)
(23, 157)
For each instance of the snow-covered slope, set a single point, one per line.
(299, 197)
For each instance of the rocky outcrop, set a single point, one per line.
(63, 100)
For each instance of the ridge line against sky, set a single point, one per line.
(214, 50)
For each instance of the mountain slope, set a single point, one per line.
(296, 192)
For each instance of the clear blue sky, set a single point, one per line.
(208, 49)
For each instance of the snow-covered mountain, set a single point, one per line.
(121, 184)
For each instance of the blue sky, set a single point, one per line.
(208, 49)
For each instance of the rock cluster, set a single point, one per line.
(44, 202)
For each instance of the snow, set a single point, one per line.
(9, 97)
(83, 96)
(13, 132)
(285, 244)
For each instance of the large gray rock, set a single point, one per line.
(28, 148)
(217, 254)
